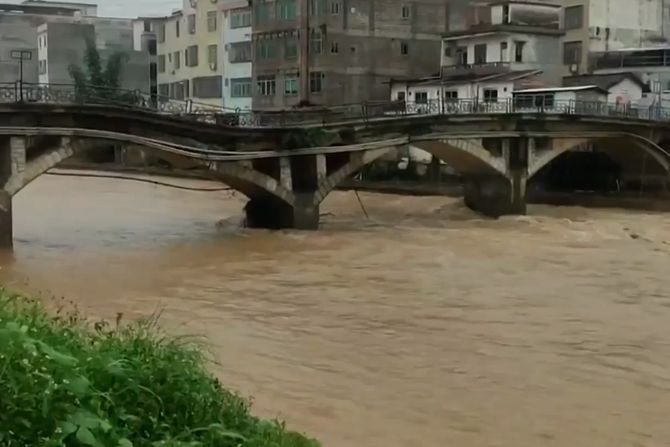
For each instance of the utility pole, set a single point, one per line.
(304, 36)
(21, 55)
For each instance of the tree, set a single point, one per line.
(98, 84)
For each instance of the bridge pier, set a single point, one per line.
(273, 213)
(498, 195)
(6, 221)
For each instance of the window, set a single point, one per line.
(503, 51)
(152, 47)
(421, 97)
(450, 95)
(180, 90)
(161, 33)
(161, 63)
(335, 7)
(505, 18)
(404, 48)
(480, 53)
(43, 66)
(315, 42)
(191, 56)
(316, 7)
(164, 90)
(290, 49)
(291, 85)
(240, 88)
(265, 49)
(287, 10)
(207, 87)
(400, 96)
(544, 101)
(572, 53)
(176, 28)
(518, 50)
(240, 18)
(262, 11)
(239, 52)
(334, 47)
(191, 23)
(147, 26)
(315, 82)
(211, 21)
(212, 56)
(490, 95)
(573, 17)
(177, 60)
(461, 56)
(266, 85)
(405, 12)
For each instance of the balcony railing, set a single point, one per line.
(64, 94)
(481, 69)
(656, 58)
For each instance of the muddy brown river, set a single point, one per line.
(424, 325)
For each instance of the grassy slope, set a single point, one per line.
(63, 384)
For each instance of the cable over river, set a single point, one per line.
(425, 325)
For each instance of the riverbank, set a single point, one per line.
(65, 383)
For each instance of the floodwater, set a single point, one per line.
(423, 325)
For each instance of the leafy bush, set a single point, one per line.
(65, 384)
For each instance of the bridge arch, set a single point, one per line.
(633, 152)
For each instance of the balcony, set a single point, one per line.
(483, 69)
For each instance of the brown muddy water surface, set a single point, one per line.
(425, 325)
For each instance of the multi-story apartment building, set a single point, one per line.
(62, 44)
(601, 26)
(190, 53)
(341, 51)
(237, 54)
(55, 34)
(145, 40)
(512, 35)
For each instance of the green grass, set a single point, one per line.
(63, 383)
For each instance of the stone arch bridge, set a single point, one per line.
(286, 173)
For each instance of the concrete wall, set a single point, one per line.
(18, 31)
(370, 37)
(539, 52)
(625, 91)
(616, 24)
(59, 56)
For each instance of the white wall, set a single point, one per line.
(562, 97)
(616, 24)
(531, 50)
(464, 91)
(235, 70)
(625, 91)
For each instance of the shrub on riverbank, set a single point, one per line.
(64, 384)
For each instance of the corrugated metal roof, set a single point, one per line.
(561, 89)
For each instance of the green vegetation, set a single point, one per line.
(63, 383)
(98, 83)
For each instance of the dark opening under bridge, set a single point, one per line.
(287, 172)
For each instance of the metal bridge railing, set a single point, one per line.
(18, 92)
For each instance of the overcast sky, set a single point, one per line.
(131, 8)
(134, 8)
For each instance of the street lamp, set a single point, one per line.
(21, 55)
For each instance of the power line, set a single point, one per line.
(137, 179)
